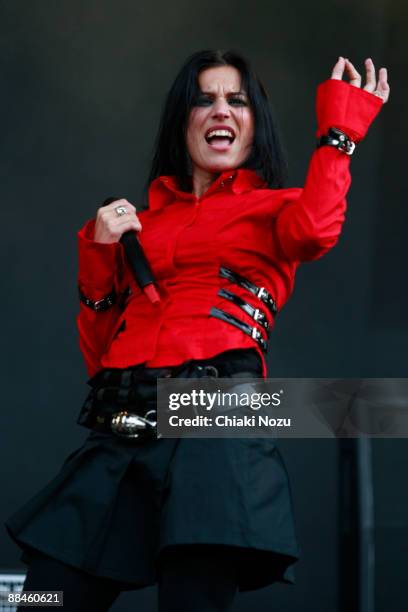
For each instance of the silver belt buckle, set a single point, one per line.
(130, 425)
(210, 371)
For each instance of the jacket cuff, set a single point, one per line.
(346, 107)
(98, 262)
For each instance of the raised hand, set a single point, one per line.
(380, 88)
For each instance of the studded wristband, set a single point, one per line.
(337, 138)
(99, 305)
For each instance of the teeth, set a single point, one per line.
(226, 133)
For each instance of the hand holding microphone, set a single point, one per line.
(116, 221)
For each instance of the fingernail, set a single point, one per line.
(340, 58)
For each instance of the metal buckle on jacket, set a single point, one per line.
(263, 295)
(130, 425)
(260, 317)
(260, 292)
(256, 335)
(255, 313)
(253, 332)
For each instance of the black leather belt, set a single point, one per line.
(260, 292)
(247, 329)
(253, 312)
(123, 401)
(128, 377)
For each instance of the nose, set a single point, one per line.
(221, 108)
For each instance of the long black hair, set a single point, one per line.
(170, 155)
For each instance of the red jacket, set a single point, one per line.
(261, 233)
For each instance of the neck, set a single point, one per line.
(202, 180)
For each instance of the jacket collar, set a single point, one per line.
(164, 190)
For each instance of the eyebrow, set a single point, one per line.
(230, 93)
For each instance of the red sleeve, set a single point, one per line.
(100, 271)
(307, 227)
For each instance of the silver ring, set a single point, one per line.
(121, 210)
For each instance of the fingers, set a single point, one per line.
(121, 202)
(127, 221)
(109, 211)
(343, 64)
(355, 77)
(110, 226)
(381, 89)
(337, 72)
(371, 81)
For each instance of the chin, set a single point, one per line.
(221, 166)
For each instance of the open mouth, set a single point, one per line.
(220, 139)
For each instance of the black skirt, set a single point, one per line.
(116, 503)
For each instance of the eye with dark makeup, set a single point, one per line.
(207, 100)
(202, 101)
(238, 101)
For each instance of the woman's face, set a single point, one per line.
(224, 107)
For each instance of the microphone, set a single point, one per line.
(138, 262)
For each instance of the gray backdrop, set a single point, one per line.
(82, 87)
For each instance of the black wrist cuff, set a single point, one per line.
(99, 305)
(337, 138)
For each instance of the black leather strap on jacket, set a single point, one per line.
(255, 313)
(108, 301)
(260, 292)
(253, 332)
(337, 138)
(99, 305)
